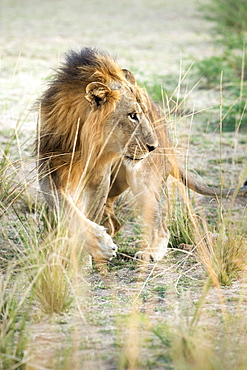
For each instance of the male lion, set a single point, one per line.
(100, 134)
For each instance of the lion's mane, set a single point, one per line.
(70, 131)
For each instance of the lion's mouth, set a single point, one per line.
(133, 159)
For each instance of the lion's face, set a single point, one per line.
(132, 134)
(128, 131)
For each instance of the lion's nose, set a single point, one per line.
(151, 147)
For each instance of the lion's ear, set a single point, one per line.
(129, 76)
(98, 94)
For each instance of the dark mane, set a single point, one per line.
(76, 61)
(84, 57)
(88, 64)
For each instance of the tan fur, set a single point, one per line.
(99, 134)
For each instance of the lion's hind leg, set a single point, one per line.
(109, 219)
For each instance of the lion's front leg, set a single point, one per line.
(157, 245)
(147, 186)
(94, 237)
(87, 208)
(84, 231)
(98, 243)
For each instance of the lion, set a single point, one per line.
(99, 134)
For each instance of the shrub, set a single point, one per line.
(230, 21)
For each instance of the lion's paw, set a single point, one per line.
(147, 256)
(102, 247)
(107, 246)
(156, 251)
(144, 256)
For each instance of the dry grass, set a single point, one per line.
(154, 316)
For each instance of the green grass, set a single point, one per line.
(229, 18)
(228, 67)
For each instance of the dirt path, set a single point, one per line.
(149, 36)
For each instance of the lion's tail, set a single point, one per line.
(182, 175)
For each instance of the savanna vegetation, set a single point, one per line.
(188, 311)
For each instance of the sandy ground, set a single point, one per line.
(148, 36)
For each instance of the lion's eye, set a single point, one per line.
(133, 116)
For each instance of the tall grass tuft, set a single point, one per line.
(13, 317)
(199, 340)
(8, 168)
(32, 235)
(230, 258)
(181, 226)
(48, 253)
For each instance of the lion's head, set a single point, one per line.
(93, 111)
(127, 130)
